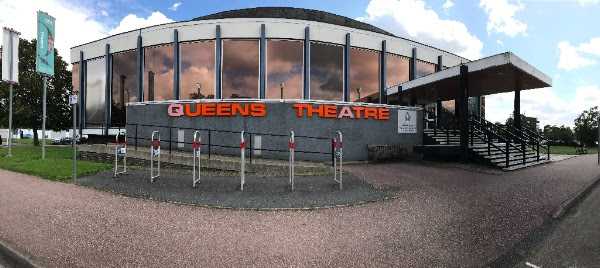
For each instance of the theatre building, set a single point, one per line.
(268, 71)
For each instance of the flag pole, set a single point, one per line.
(44, 119)
(10, 116)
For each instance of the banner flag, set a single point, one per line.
(44, 62)
(10, 56)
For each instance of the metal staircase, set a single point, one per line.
(501, 146)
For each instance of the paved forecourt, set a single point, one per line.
(445, 215)
(223, 190)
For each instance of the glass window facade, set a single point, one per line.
(364, 75)
(197, 70)
(124, 85)
(326, 71)
(95, 93)
(158, 73)
(240, 69)
(397, 69)
(449, 106)
(284, 69)
(424, 68)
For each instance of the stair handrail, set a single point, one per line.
(538, 140)
(485, 127)
(531, 143)
(432, 115)
(485, 138)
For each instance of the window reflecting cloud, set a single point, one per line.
(284, 65)
(326, 69)
(424, 68)
(364, 75)
(240, 69)
(95, 95)
(158, 73)
(124, 84)
(197, 79)
(397, 69)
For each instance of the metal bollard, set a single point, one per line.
(120, 150)
(243, 161)
(292, 148)
(155, 154)
(338, 164)
(196, 147)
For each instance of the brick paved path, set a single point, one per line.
(447, 216)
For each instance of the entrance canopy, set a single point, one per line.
(495, 74)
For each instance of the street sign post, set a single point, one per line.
(44, 61)
(73, 102)
(10, 72)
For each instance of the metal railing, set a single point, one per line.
(210, 143)
(526, 138)
(519, 142)
(446, 126)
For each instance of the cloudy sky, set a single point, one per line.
(559, 37)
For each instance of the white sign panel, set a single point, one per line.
(10, 56)
(72, 99)
(407, 121)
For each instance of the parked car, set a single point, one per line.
(62, 141)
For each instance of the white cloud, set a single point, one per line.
(501, 17)
(544, 104)
(573, 57)
(448, 4)
(591, 47)
(132, 22)
(74, 25)
(419, 22)
(587, 2)
(175, 6)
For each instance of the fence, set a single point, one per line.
(216, 141)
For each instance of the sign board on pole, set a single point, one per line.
(407, 121)
(44, 62)
(72, 99)
(10, 56)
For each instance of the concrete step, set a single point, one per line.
(530, 164)
(515, 159)
(503, 156)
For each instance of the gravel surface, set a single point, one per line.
(447, 216)
(224, 191)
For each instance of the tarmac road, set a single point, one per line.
(447, 216)
(574, 241)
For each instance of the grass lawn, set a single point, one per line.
(560, 149)
(57, 166)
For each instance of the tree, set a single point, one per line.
(527, 122)
(586, 126)
(559, 135)
(27, 95)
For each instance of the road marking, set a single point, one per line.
(531, 265)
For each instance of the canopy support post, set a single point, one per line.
(464, 112)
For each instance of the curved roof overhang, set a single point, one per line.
(500, 73)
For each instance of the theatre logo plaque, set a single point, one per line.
(407, 122)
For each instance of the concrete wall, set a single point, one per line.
(280, 119)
